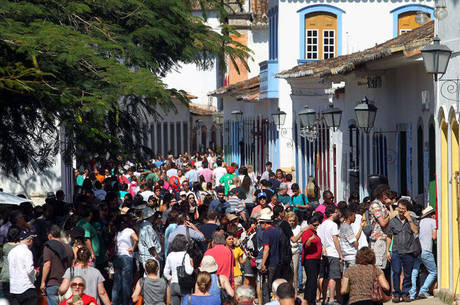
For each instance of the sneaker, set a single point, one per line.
(422, 296)
(396, 300)
(407, 299)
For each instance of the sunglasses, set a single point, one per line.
(79, 285)
(315, 224)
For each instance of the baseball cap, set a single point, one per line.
(261, 194)
(26, 234)
(182, 193)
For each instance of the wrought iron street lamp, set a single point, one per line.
(218, 118)
(307, 117)
(365, 113)
(278, 118)
(436, 57)
(237, 115)
(198, 124)
(332, 116)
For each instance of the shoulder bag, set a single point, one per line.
(377, 294)
(223, 293)
(186, 281)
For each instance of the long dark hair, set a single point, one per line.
(246, 185)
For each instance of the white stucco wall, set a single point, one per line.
(398, 102)
(364, 24)
(258, 43)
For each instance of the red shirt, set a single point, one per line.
(225, 260)
(84, 297)
(314, 250)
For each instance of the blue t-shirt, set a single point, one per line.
(301, 199)
(201, 300)
(271, 237)
(216, 205)
(284, 199)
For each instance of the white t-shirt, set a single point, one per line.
(171, 172)
(218, 173)
(124, 242)
(147, 194)
(325, 231)
(427, 225)
(362, 241)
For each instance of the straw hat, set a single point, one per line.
(427, 211)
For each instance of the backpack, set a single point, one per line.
(284, 247)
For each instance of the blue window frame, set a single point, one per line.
(318, 8)
(409, 8)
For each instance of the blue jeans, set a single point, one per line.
(427, 258)
(300, 279)
(52, 295)
(398, 261)
(122, 280)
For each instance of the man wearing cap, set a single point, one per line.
(22, 272)
(261, 203)
(149, 242)
(270, 257)
(428, 233)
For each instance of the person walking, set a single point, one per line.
(12, 240)
(151, 288)
(57, 257)
(93, 278)
(270, 256)
(177, 257)
(201, 296)
(402, 228)
(311, 258)
(22, 272)
(149, 243)
(379, 217)
(360, 277)
(329, 234)
(123, 263)
(427, 234)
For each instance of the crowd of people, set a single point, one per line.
(193, 230)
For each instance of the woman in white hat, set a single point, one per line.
(218, 282)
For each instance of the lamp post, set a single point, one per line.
(436, 57)
(365, 113)
(278, 118)
(237, 115)
(332, 116)
(307, 117)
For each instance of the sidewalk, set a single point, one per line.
(429, 301)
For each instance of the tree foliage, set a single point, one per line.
(94, 68)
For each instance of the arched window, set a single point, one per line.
(404, 17)
(320, 29)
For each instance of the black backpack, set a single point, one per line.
(285, 252)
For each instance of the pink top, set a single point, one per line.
(207, 174)
(322, 208)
